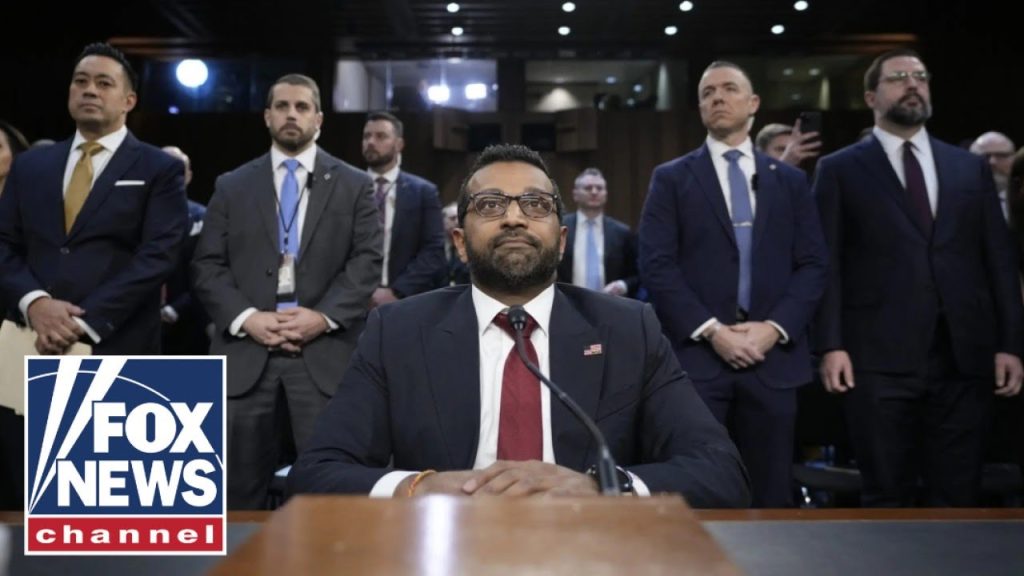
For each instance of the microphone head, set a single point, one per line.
(517, 318)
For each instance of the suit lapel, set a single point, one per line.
(944, 167)
(580, 376)
(878, 164)
(704, 170)
(52, 192)
(456, 384)
(766, 192)
(261, 183)
(319, 193)
(126, 155)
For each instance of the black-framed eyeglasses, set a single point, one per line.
(495, 204)
(901, 76)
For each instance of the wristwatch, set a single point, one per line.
(625, 480)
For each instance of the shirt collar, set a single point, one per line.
(487, 308)
(109, 142)
(581, 217)
(306, 158)
(390, 175)
(718, 148)
(891, 143)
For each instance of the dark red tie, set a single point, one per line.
(520, 432)
(916, 188)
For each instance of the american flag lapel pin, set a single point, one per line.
(593, 350)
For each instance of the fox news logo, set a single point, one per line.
(124, 455)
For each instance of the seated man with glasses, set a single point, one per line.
(437, 389)
(998, 150)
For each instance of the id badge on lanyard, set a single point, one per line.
(286, 278)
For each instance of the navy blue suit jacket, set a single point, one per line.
(689, 262)
(122, 247)
(416, 260)
(412, 393)
(619, 253)
(890, 280)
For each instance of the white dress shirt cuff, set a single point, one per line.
(699, 332)
(331, 324)
(639, 488)
(623, 287)
(27, 301)
(385, 487)
(235, 329)
(785, 337)
(88, 330)
(170, 312)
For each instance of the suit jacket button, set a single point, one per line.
(65, 250)
(270, 271)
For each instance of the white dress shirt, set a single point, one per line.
(579, 249)
(389, 214)
(111, 142)
(893, 146)
(307, 160)
(495, 346)
(717, 150)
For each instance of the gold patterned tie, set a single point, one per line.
(80, 183)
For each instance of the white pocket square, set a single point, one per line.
(130, 183)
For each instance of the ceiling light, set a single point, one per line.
(568, 7)
(686, 6)
(438, 93)
(814, 71)
(795, 97)
(800, 6)
(638, 88)
(192, 73)
(611, 80)
(457, 30)
(787, 71)
(453, 7)
(778, 29)
(671, 30)
(564, 30)
(476, 91)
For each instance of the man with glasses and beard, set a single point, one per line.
(409, 211)
(287, 259)
(921, 320)
(436, 399)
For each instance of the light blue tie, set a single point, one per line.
(288, 227)
(742, 224)
(593, 276)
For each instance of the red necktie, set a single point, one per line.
(520, 430)
(916, 188)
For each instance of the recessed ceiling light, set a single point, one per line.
(787, 71)
(686, 6)
(564, 30)
(671, 30)
(453, 7)
(814, 71)
(638, 88)
(800, 6)
(457, 31)
(611, 80)
(568, 7)
(778, 29)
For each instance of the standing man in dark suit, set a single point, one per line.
(183, 319)
(922, 318)
(457, 271)
(410, 215)
(288, 257)
(732, 253)
(437, 389)
(91, 227)
(603, 256)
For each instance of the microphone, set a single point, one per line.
(607, 478)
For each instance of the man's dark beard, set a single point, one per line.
(909, 117)
(512, 271)
(292, 144)
(379, 160)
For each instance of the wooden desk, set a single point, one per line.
(445, 535)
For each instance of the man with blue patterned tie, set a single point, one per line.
(732, 254)
(287, 259)
(602, 256)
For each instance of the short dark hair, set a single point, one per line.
(108, 51)
(506, 153)
(769, 133)
(590, 171)
(296, 80)
(387, 117)
(15, 139)
(874, 72)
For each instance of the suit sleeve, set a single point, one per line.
(16, 279)
(677, 303)
(796, 308)
(631, 275)
(827, 328)
(212, 280)
(1001, 261)
(346, 298)
(686, 449)
(164, 226)
(350, 447)
(429, 264)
